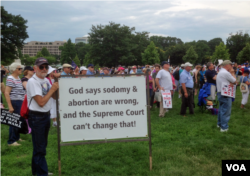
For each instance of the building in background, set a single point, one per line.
(81, 39)
(31, 48)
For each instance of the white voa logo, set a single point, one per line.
(236, 167)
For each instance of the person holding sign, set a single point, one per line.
(243, 79)
(164, 82)
(14, 94)
(187, 85)
(39, 93)
(225, 101)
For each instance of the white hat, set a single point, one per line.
(67, 65)
(182, 65)
(51, 69)
(187, 64)
(83, 68)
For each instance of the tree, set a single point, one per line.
(114, 44)
(150, 55)
(68, 52)
(45, 51)
(213, 43)
(51, 60)
(13, 34)
(236, 42)
(190, 56)
(77, 61)
(81, 50)
(244, 54)
(164, 42)
(203, 51)
(39, 54)
(221, 52)
(176, 54)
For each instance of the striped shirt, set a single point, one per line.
(17, 92)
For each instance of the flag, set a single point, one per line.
(73, 64)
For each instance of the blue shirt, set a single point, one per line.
(187, 79)
(244, 80)
(63, 73)
(89, 72)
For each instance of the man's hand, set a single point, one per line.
(186, 95)
(155, 89)
(55, 86)
(175, 86)
(57, 75)
(11, 110)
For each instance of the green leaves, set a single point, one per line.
(77, 61)
(13, 34)
(190, 56)
(114, 44)
(150, 55)
(45, 52)
(244, 54)
(68, 52)
(221, 52)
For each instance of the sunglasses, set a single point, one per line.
(41, 67)
(91, 67)
(19, 69)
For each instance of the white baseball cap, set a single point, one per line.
(83, 68)
(51, 69)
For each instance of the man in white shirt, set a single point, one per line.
(39, 93)
(164, 82)
(224, 112)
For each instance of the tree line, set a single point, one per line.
(116, 44)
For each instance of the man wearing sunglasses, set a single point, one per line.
(91, 70)
(66, 69)
(39, 93)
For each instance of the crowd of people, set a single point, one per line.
(39, 87)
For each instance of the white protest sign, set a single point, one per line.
(96, 108)
(228, 90)
(167, 99)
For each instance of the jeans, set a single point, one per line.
(13, 131)
(40, 125)
(152, 100)
(150, 94)
(177, 85)
(224, 111)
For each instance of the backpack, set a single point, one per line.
(176, 75)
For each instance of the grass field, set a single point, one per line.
(187, 146)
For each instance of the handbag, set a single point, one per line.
(243, 86)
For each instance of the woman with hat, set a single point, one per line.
(120, 71)
(197, 76)
(28, 73)
(83, 70)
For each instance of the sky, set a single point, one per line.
(187, 20)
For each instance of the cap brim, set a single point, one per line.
(42, 63)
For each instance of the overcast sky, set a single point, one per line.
(53, 21)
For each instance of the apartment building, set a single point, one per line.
(81, 39)
(31, 48)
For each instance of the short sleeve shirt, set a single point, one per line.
(223, 77)
(245, 79)
(17, 92)
(150, 84)
(187, 79)
(209, 75)
(38, 86)
(165, 79)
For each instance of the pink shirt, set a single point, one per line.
(150, 84)
(173, 80)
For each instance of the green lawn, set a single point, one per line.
(191, 145)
